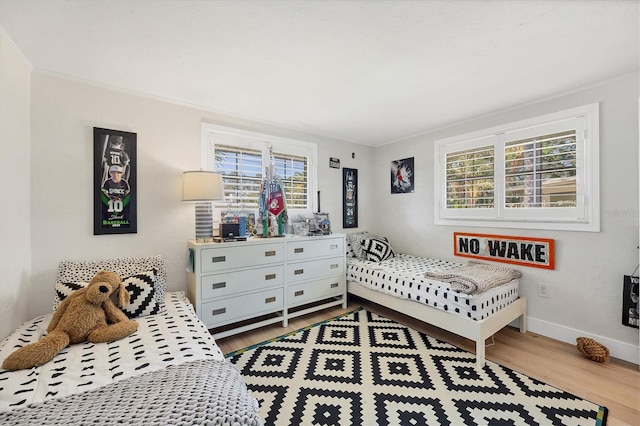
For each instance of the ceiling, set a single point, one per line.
(370, 72)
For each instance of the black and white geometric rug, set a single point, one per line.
(364, 369)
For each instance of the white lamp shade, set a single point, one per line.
(202, 185)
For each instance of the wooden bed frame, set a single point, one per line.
(477, 331)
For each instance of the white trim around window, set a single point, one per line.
(255, 141)
(540, 173)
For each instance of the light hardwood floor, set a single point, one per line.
(615, 384)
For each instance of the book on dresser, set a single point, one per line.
(238, 286)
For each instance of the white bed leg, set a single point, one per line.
(480, 353)
(523, 322)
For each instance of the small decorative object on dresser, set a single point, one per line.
(323, 223)
(236, 287)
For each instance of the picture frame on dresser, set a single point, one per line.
(115, 182)
(323, 223)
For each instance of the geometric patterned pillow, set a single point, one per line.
(355, 241)
(141, 288)
(83, 271)
(377, 250)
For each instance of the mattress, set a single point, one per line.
(173, 337)
(403, 276)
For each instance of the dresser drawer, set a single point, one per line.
(222, 285)
(225, 311)
(231, 257)
(306, 249)
(314, 269)
(315, 290)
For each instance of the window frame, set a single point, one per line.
(585, 216)
(212, 134)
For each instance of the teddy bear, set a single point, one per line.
(82, 316)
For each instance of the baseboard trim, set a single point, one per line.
(617, 349)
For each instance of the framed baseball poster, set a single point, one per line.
(349, 198)
(115, 185)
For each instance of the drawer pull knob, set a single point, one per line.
(218, 259)
(219, 311)
(269, 253)
(215, 286)
(334, 266)
(334, 285)
(298, 250)
(270, 299)
(270, 277)
(333, 246)
(299, 293)
(298, 272)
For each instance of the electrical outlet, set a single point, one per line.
(544, 290)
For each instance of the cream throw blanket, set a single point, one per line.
(475, 277)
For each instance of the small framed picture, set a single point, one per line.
(300, 228)
(402, 176)
(323, 223)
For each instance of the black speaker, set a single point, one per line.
(229, 230)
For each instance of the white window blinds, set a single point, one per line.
(540, 173)
(241, 156)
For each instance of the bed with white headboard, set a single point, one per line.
(431, 290)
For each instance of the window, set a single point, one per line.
(540, 174)
(470, 178)
(241, 158)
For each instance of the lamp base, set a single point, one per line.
(204, 221)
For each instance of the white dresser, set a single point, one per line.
(239, 286)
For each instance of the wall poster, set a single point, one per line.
(114, 177)
(402, 176)
(349, 198)
(630, 301)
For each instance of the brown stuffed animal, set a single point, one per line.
(82, 316)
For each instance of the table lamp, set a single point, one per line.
(202, 187)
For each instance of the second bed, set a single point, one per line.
(399, 283)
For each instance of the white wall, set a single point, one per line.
(64, 113)
(586, 285)
(15, 190)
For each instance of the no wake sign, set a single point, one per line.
(527, 251)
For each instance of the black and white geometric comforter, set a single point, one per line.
(173, 338)
(403, 276)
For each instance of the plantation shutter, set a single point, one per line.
(470, 178)
(541, 171)
(242, 172)
(293, 170)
